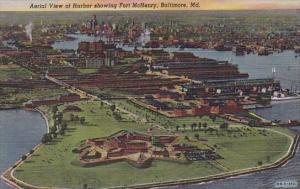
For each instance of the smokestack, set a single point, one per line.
(28, 30)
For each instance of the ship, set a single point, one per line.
(283, 97)
(297, 49)
(239, 50)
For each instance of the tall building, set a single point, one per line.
(144, 26)
(94, 22)
(91, 24)
(110, 57)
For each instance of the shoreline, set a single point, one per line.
(9, 171)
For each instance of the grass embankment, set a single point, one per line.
(51, 165)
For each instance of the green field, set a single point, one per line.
(15, 96)
(243, 147)
(51, 165)
(10, 97)
(13, 71)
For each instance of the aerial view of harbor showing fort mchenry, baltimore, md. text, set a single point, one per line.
(149, 94)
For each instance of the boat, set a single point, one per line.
(239, 50)
(282, 96)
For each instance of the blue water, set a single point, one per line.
(20, 130)
(73, 44)
(282, 110)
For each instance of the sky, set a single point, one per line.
(23, 5)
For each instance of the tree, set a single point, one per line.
(224, 125)
(54, 116)
(213, 118)
(113, 108)
(85, 186)
(177, 127)
(72, 117)
(54, 135)
(196, 136)
(211, 130)
(193, 126)
(82, 120)
(61, 132)
(184, 126)
(53, 129)
(204, 125)
(46, 138)
(259, 163)
(147, 118)
(24, 157)
(186, 137)
(59, 117)
(64, 126)
(56, 123)
(76, 118)
(49, 137)
(117, 116)
(54, 109)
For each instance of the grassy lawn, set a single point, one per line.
(51, 165)
(14, 96)
(248, 152)
(243, 147)
(13, 71)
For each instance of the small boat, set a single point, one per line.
(182, 47)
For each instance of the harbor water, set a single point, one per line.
(20, 131)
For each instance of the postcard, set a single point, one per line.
(189, 94)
